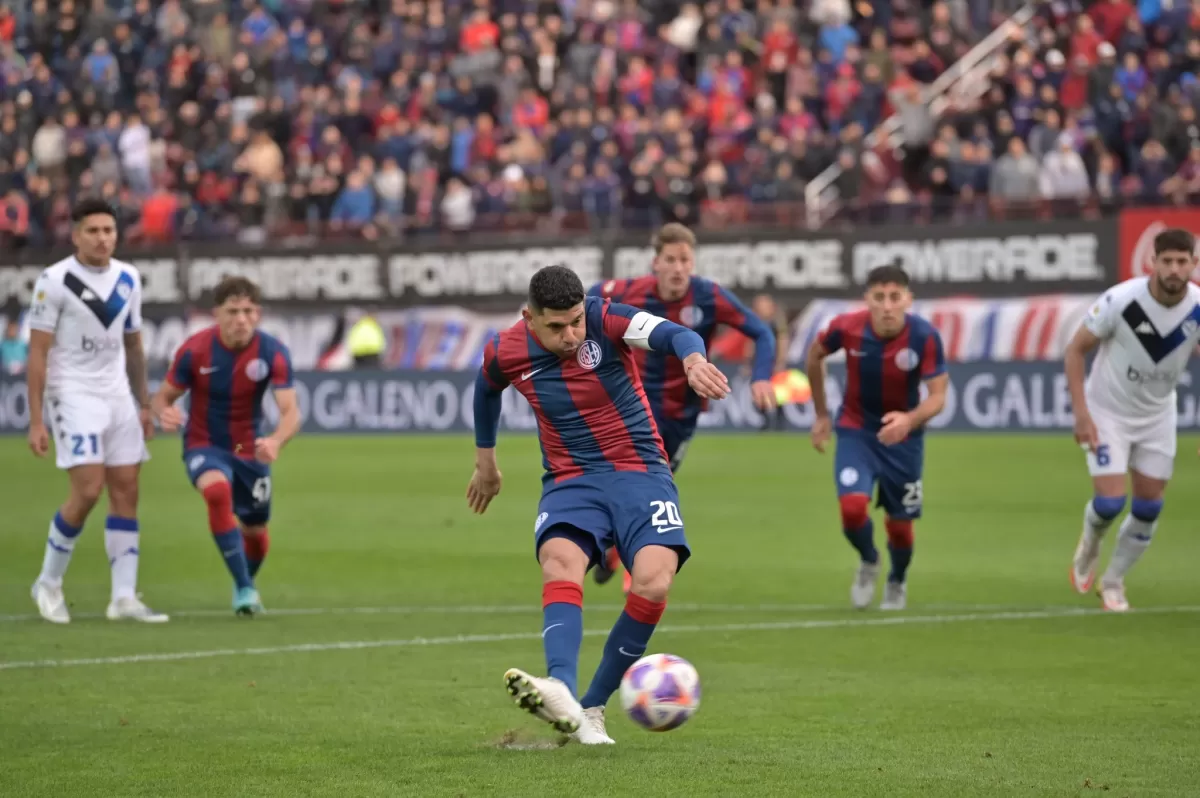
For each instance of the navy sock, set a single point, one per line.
(900, 548)
(863, 540)
(230, 544)
(562, 631)
(626, 644)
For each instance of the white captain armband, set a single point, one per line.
(640, 326)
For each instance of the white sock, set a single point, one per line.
(1132, 542)
(59, 547)
(121, 544)
(1096, 525)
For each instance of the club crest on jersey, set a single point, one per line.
(1189, 327)
(257, 369)
(691, 315)
(589, 354)
(124, 290)
(906, 359)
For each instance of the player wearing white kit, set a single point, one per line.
(87, 380)
(1125, 415)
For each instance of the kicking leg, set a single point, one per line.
(1133, 539)
(564, 554)
(87, 482)
(218, 495)
(654, 569)
(121, 544)
(860, 532)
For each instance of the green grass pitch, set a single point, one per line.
(997, 681)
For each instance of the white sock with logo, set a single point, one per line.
(1132, 543)
(60, 544)
(121, 544)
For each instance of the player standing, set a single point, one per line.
(1125, 415)
(880, 425)
(227, 369)
(673, 292)
(607, 484)
(87, 365)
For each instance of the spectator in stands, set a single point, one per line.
(14, 350)
(1015, 175)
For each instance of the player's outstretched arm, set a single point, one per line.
(489, 389)
(641, 330)
(731, 311)
(35, 374)
(814, 369)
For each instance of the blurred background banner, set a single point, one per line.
(984, 397)
(995, 259)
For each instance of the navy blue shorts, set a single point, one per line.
(626, 509)
(862, 462)
(251, 481)
(676, 436)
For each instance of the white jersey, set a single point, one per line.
(88, 311)
(1144, 349)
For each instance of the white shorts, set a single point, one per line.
(94, 430)
(1145, 445)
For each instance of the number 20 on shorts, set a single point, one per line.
(666, 516)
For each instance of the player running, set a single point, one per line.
(673, 292)
(607, 482)
(227, 369)
(87, 380)
(1146, 329)
(880, 424)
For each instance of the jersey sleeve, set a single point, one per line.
(833, 336)
(180, 373)
(1101, 318)
(635, 328)
(933, 356)
(47, 304)
(282, 376)
(609, 289)
(731, 311)
(491, 371)
(133, 322)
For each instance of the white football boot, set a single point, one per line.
(895, 596)
(50, 603)
(132, 608)
(862, 590)
(1083, 566)
(545, 698)
(1112, 597)
(592, 731)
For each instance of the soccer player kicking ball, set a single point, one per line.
(228, 369)
(88, 391)
(1146, 329)
(607, 483)
(880, 425)
(674, 292)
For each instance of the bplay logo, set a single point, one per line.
(96, 346)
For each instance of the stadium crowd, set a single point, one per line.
(205, 119)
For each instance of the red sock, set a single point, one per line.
(643, 610)
(219, 498)
(257, 545)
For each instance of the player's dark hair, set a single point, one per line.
(234, 287)
(887, 275)
(1174, 240)
(555, 288)
(91, 206)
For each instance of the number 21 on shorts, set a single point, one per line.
(666, 517)
(85, 444)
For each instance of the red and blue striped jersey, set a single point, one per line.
(882, 374)
(227, 388)
(704, 307)
(592, 412)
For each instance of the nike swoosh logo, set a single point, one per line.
(529, 374)
(208, 369)
(548, 628)
(626, 653)
(667, 529)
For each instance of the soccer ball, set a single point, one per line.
(660, 692)
(791, 387)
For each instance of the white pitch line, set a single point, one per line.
(523, 609)
(355, 645)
